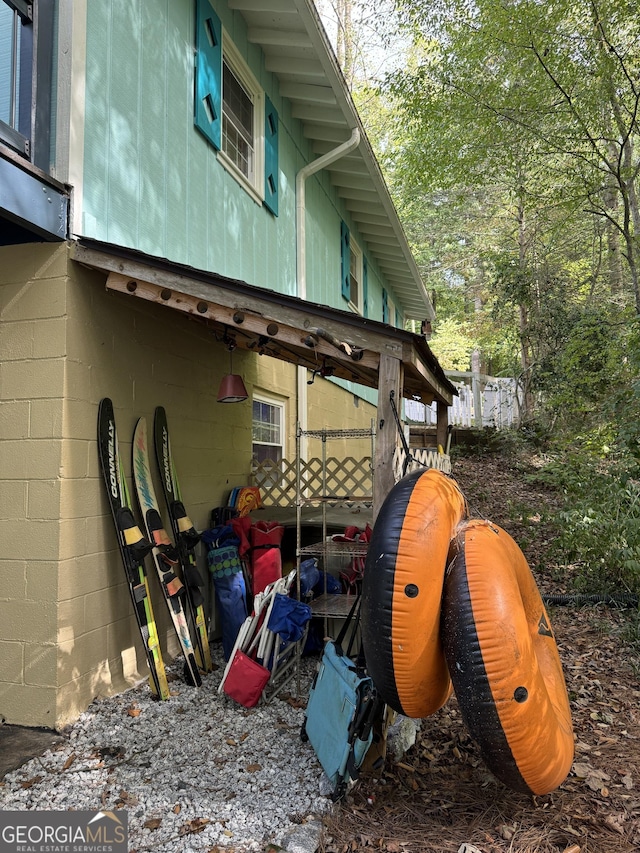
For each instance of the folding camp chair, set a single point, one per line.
(261, 639)
(340, 712)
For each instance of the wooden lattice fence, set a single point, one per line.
(420, 457)
(344, 479)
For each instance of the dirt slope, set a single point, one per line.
(441, 796)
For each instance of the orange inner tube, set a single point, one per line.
(402, 592)
(504, 661)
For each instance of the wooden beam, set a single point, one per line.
(220, 302)
(242, 320)
(250, 300)
(441, 392)
(390, 378)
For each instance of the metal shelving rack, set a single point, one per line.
(329, 606)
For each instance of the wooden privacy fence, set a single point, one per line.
(482, 401)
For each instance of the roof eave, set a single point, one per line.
(334, 120)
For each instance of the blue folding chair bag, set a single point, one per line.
(228, 582)
(338, 701)
(288, 617)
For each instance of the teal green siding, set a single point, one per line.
(153, 182)
(368, 394)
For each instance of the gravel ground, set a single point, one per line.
(194, 772)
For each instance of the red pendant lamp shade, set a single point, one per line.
(232, 388)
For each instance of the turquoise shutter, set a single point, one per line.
(345, 261)
(365, 287)
(385, 306)
(270, 156)
(208, 84)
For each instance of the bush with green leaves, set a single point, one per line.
(598, 527)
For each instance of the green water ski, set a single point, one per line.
(185, 537)
(165, 555)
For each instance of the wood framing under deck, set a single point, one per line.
(306, 334)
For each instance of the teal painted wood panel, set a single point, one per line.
(96, 122)
(152, 182)
(123, 198)
(180, 27)
(153, 129)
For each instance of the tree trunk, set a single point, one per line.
(345, 44)
(523, 316)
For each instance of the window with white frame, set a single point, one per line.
(393, 315)
(353, 272)
(355, 276)
(268, 429)
(233, 112)
(242, 104)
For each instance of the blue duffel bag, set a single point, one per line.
(339, 716)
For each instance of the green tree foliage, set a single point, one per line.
(452, 345)
(509, 137)
(534, 107)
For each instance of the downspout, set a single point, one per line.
(301, 209)
(301, 254)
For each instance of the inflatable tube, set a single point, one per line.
(504, 661)
(402, 592)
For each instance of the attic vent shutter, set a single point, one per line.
(385, 306)
(345, 261)
(208, 83)
(365, 287)
(270, 156)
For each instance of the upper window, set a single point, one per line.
(26, 49)
(233, 112)
(242, 103)
(355, 276)
(354, 272)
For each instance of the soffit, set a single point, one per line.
(298, 53)
(293, 330)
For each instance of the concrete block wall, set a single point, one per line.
(141, 356)
(332, 407)
(67, 630)
(328, 407)
(33, 320)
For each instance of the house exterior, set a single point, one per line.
(186, 190)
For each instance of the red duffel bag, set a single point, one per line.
(266, 559)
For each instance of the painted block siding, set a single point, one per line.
(151, 180)
(32, 295)
(67, 631)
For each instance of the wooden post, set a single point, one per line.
(477, 399)
(390, 378)
(442, 424)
